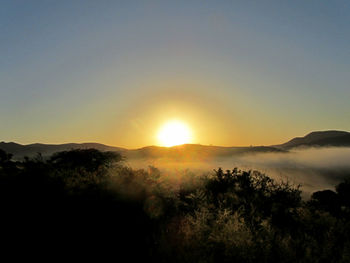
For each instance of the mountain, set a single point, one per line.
(30, 150)
(319, 139)
(190, 152)
(180, 152)
(186, 152)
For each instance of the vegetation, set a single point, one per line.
(86, 203)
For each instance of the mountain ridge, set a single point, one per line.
(21, 150)
(185, 151)
(319, 139)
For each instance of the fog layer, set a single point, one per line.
(313, 168)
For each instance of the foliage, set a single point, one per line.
(87, 203)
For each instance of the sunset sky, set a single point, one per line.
(113, 72)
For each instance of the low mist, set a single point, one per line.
(313, 168)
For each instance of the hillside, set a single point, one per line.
(194, 152)
(180, 153)
(186, 152)
(319, 139)
(19, 150)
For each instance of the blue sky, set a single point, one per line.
(238, 72)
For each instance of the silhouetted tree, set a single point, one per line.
(343, 190)
(88, 159)
(86, 202)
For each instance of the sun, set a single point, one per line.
(173, 133)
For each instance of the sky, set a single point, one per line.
(236, 72)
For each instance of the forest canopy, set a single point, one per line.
(89, 202)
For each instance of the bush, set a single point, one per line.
(88, 203)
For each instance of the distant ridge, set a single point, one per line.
(19, 150)
(320, 139)
(180, 152)
(197, 152)
(186, 151)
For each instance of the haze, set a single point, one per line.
(313, 168)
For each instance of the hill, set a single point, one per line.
(190, 152)
(180, 152)
(19, 150)
(186, 152)
(319, 139)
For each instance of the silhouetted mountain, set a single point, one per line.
(186, 152)
(180, 152)
(319, 138)
(189, 152)
(19, 150)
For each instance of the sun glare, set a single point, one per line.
(174, 133)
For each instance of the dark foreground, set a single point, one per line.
(85, 204)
